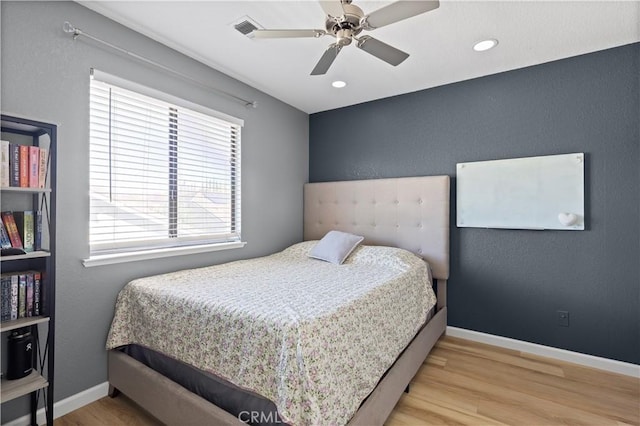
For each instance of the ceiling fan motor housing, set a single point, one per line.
(343, 37)
(346, 26)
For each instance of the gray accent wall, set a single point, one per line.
(45, 76)
(512, 282)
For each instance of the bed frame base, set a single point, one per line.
(174, 405)
(166, 400)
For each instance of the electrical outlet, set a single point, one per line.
(563, 318)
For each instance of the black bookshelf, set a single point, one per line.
(39, 385)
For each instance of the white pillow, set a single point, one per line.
(335, 247)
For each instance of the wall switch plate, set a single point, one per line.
(563, 318)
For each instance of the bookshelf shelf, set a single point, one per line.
(25, 190)
(22, 322)
(35, 269)
(31, 255)
(12, 389)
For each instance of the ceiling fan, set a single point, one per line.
(346, 21)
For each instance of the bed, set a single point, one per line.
(303, 381)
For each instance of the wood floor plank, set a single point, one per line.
(423, 410)
(468, 383)
(443, 397)
(436, 360)
(107, 411)
(543, 386)
(488, 393)
(611, 381)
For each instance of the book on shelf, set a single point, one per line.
(34, 166)
(43, 166)
(29, 299)
(21, 295)
(37, 291)
(5, 241)
(25, 223)
(5, 298)
(4, 164)
(14, 164)
(14, 296)
(23, 167)
(37, 231)
(12, 229)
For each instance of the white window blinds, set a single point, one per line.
(161, 175)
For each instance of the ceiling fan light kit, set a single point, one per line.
(345, 22)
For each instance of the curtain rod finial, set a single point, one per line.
(70, 29)
(67, 27)
(253, 104)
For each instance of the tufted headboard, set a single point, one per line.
(411, 213)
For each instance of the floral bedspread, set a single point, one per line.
(311, 336)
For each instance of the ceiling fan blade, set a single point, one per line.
(332, 8)
(398, 11)
(381, 50)
(287, 33)
(327, 59)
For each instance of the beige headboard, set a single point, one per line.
(411, 213)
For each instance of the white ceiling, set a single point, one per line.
(439, 42)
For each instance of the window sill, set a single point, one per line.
(110, 259)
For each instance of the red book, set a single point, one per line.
(24, 166)
(34, 166)
(12, 229)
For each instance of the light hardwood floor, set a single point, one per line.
(468, 383)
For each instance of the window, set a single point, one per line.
(162, 174)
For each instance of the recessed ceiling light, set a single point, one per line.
(483, 45)
(338, 84)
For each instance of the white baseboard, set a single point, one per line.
(606, 364)
(67, 405)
